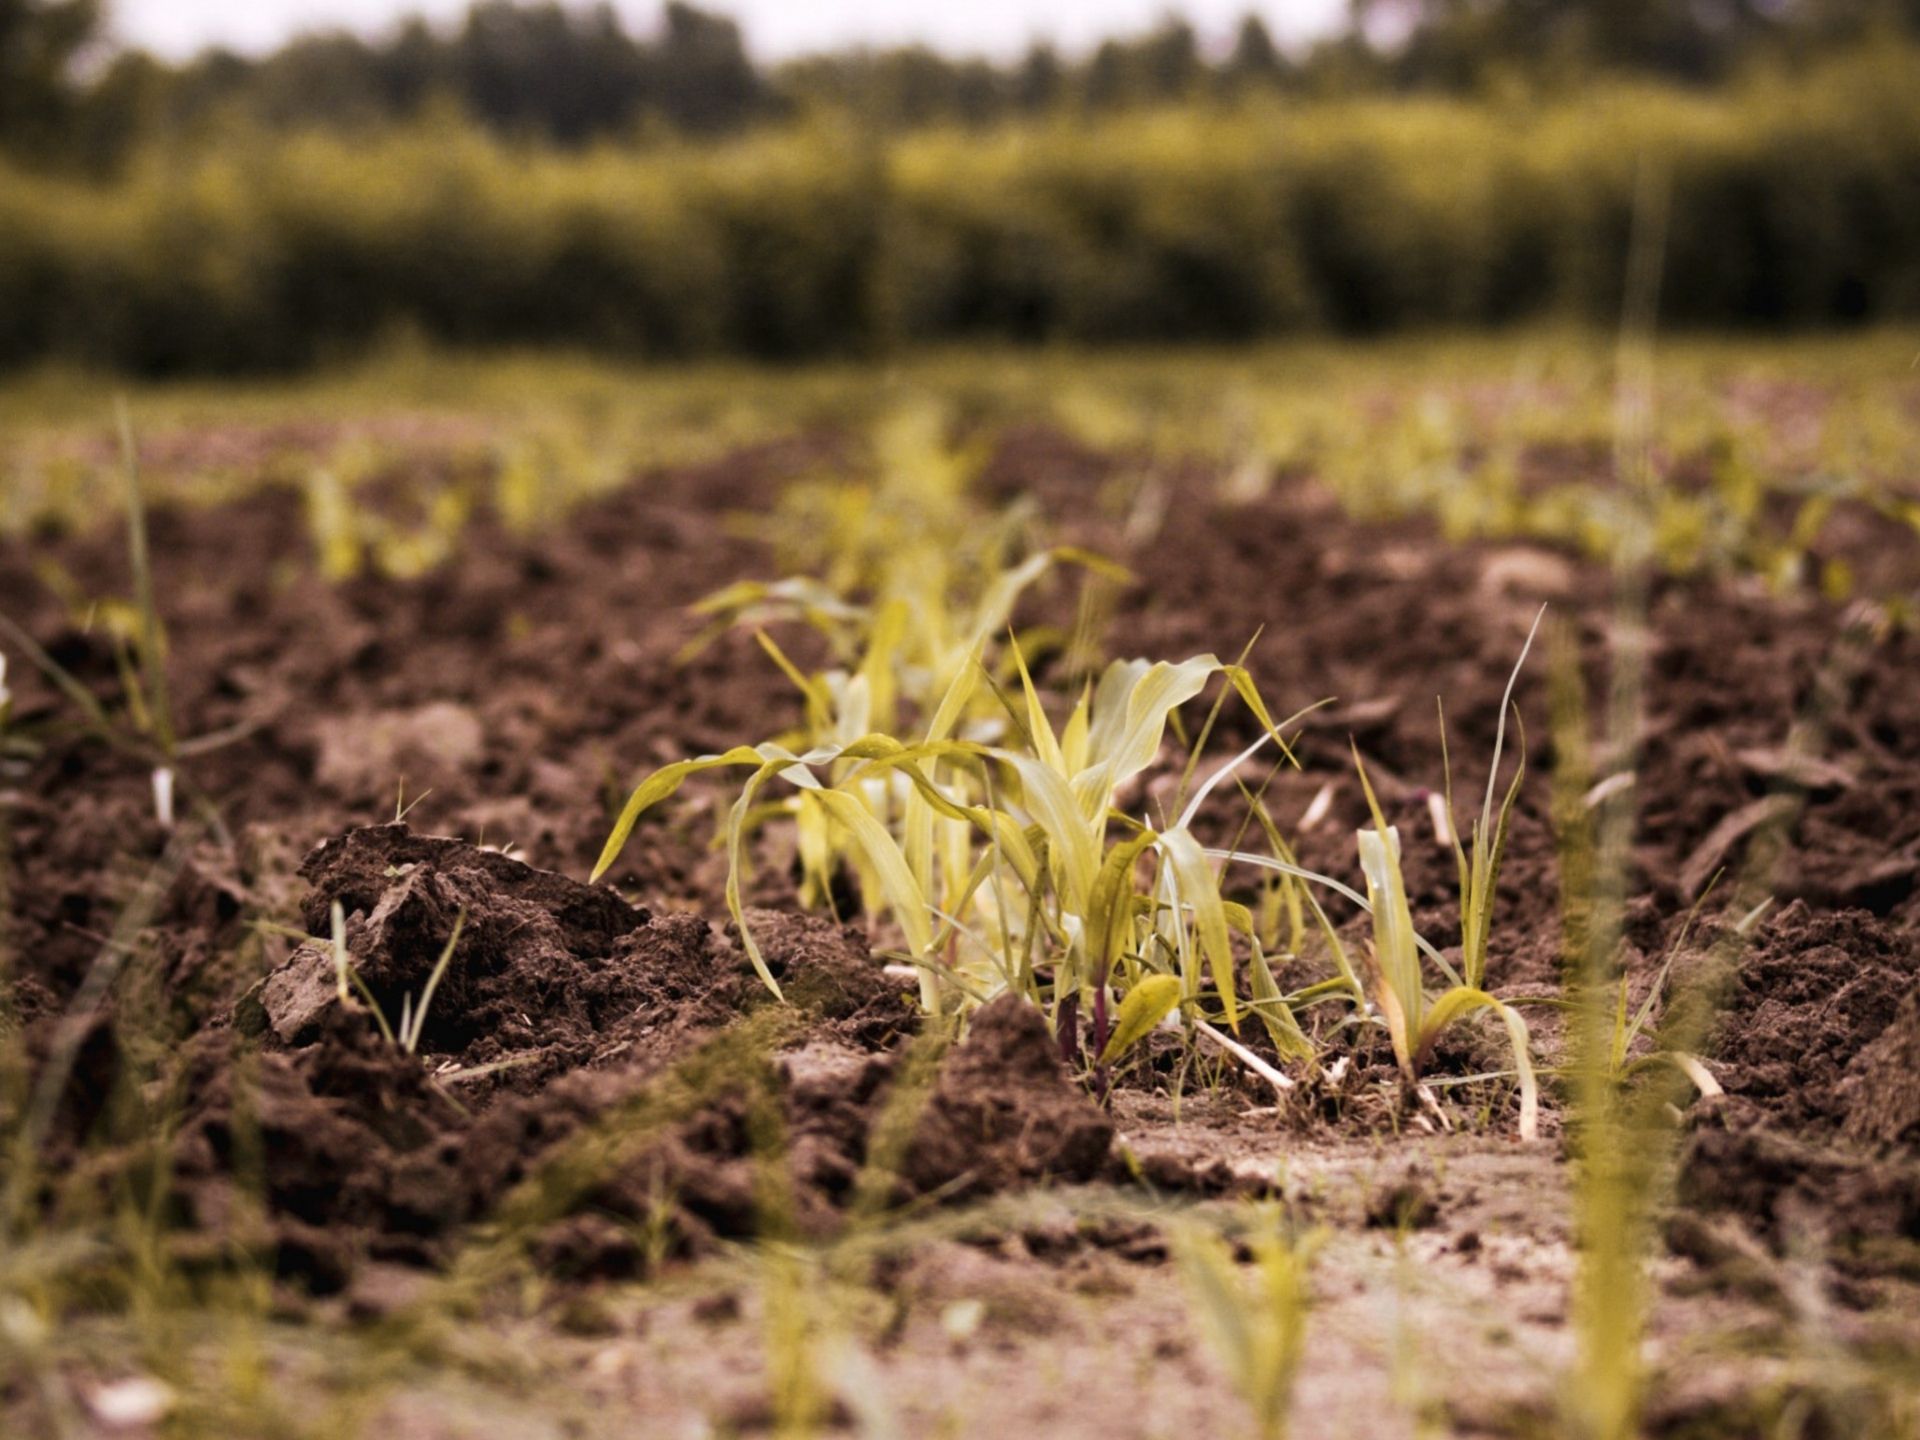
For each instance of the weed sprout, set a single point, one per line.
(413, 1017)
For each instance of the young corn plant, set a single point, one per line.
(1012, 866)
(1109, 925)
(1415, 1021)
(1392, 981)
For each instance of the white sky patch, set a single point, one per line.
(775, 29)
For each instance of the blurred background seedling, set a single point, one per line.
(145, 727)
(1255, 1315)
(905, 575)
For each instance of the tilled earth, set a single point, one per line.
(603, 1092)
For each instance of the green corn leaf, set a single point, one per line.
(1074, 737)
(1072, 844)
(1460, 1001)
(1092, 560)
(902, 895)
(1110, 914)
(814, 691)
(1300, 872)
(1160, 690)
(959, 693)
(885, 640)
(736, 833)
(659, 786)
(1039, 728)
(1395, 951)
(1271, 1006)
(1242, 680)
(995, 609)
(1199, 890)
(1145, 1006)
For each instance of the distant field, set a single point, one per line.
(1748, 445)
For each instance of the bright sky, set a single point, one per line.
(775, 29)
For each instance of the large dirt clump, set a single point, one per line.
(601, 1085)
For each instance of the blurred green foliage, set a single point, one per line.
(1795, 197)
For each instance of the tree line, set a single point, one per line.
(570, 75)
(1793, 198)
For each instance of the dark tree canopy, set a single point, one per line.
(572, 73)
(40, 40)
(1256, 60)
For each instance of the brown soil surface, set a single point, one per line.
(603, 1087)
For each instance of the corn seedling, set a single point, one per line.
(1479, 864)
(1256, 1322)
(1393, 982)
(1011, 867)
(1415, 1021)
(1392, 985)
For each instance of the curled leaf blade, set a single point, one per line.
(1145, 1006)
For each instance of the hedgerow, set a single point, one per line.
(1793, 198)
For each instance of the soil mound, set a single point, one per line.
(599, 1085)
(540, 963)
(1882, 1087)
(1817, 1046)
(1003, 1111)
(1790, 1190)
(1807, 1002)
